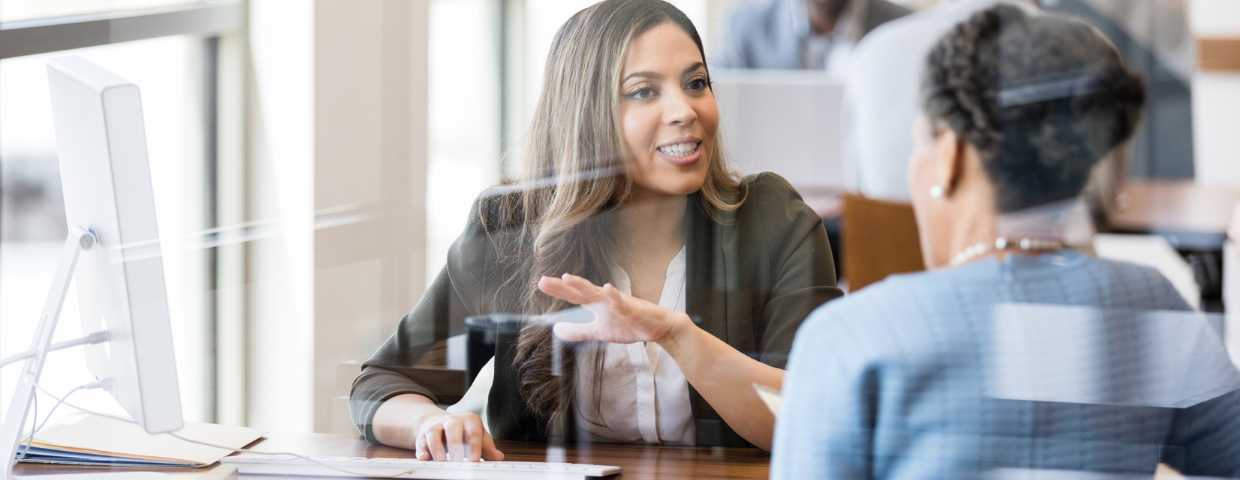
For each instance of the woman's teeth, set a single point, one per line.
(680, 149)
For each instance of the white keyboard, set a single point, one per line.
(255, 464)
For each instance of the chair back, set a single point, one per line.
(879, 238)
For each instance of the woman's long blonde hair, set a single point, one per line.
(574, 172)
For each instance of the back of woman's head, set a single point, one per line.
(1041, 97)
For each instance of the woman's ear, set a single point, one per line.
(951, 151)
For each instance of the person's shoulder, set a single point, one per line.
(495, 209)
(891, 294)
(889, 323)
(901, 297)
(1134, 281)
(493, 231)
(769, 197)
(751, 17)
(754, 10)
(769, 184)
(899, 289)
(862, 323)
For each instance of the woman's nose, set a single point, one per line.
(678, 110)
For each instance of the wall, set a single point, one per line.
(338, 168)
(280, 277)
(1216, 97)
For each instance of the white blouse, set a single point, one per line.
(644, 397)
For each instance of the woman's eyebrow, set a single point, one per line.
(656, 76)
(643, 74)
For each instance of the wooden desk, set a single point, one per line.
(1192, 217)
(638, 461)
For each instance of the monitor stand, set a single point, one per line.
(79, 240)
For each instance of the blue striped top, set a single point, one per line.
(892, 382)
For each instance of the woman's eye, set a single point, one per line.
(642, 94)
(697, 84)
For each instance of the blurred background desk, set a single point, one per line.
(1192, 217)
(638, 461)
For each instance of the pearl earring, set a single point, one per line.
(937, 191)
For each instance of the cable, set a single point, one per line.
(308, 459)
(97, 337)
(35, 420)
(61, 401)
(237, 450)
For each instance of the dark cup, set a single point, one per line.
(482, 334)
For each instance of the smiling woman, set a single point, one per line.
(624, 186)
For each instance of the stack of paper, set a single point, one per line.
(85, 439)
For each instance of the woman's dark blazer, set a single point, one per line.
(751, 276)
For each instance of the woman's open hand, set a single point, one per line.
(618, 317)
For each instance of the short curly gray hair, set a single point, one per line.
(1042, 97)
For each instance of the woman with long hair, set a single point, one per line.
(705, 275)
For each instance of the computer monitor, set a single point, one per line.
(783, 121)
(106, 179)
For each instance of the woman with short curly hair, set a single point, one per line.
(895, 381)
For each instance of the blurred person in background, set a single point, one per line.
(892, 382)
(800, 34)
(699, 278)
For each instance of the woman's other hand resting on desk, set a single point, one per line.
(723, 375)
(414, 422)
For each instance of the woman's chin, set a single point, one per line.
(680, 188)
(665, 188)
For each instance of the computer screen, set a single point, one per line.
(786, 122)
(106, 179)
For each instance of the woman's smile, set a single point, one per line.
(681, 152)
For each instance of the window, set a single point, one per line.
(465, 105)
(177, 75)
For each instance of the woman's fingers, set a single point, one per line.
(571, 288)
(489, 452)
(458, 438)
(587, 289)
(434, 443)
(618, 300)
(420, 449)
(454, 434)
(558, 289)
(574, 332)
(474, 434)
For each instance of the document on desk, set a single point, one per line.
(86, 439)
